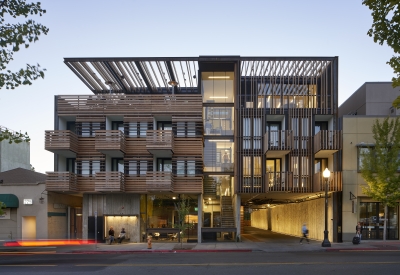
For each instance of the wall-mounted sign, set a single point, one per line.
(6, 215)
(28, 201)
(59, 206)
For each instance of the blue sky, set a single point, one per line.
(123, 28)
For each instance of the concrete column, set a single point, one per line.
(236, 212)
(199, 216)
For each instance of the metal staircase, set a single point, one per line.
(227, 217)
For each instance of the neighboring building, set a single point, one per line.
(14, 155)
(234, 134)
(31, 212)
(373, 100)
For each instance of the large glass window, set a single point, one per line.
(139, 167)
(217, 87)
(163, 219)
(372, 217)
(218, 121)
(138, 129)
(89, 167)
(88, 129)
(218, 155)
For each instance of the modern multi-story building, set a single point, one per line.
(372, 101)
(233, 134)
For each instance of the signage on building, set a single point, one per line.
(59, 206)
(6, 215)
(28, 201)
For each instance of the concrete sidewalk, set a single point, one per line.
(244, 246)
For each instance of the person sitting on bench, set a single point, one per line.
(121, 235)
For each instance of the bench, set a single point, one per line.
(126, 240)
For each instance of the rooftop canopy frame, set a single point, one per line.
(135, 75)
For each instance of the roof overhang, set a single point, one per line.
(180, 74)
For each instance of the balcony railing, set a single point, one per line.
(158, 181)
(61, 140)
(328, 140)
(159, 140)
(188, 185)
(110, 141)
(61, 182)
(110, 182)
(334, 182)
(279, 181)
(279, 140)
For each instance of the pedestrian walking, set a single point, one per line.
(304, 231)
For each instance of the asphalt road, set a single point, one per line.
(352, 262)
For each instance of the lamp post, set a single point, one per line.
(326, 242)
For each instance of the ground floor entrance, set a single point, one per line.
(372, 221)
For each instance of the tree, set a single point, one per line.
(11, 136)
(12, 36)
(183, 208)
(380, 164)
(386, 28)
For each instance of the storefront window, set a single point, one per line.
(372, 219)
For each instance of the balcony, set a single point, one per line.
(61, 142)
(188, 185)
(279, 181)
(160, 143)
(158, 181)
(110, 142)
(278, 143)
(334, 182)
(327, 143)
(109, 182)
(61, 182)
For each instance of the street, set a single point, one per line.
(338, 262)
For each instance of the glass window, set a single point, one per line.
(218, 121)
(138, 129)
(361, 151)
(180, 167)
(118, 125)
(217, 86)
(89, 167)
(214, 151)
(164, 165)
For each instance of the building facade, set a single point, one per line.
(372, 101)
(13, 155)
(231, 134)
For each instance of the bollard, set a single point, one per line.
(149, 242)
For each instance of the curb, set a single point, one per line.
(162, 251)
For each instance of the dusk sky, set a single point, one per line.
(129, 28)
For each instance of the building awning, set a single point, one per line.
(10, 200)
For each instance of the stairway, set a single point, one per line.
(227, 217)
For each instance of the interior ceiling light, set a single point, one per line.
(218, 97)
(219, 77)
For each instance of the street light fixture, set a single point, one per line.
(326, 242)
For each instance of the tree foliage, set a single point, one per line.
(12, 36)
(386, 29)
(11, 136)
(381, 163)
(183, 209)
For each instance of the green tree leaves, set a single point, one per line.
(386, 28)
(11, 136)
(12, 36)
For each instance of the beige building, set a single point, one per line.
(373, 100)
(31, 212)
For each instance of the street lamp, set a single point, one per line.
(326, 242)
